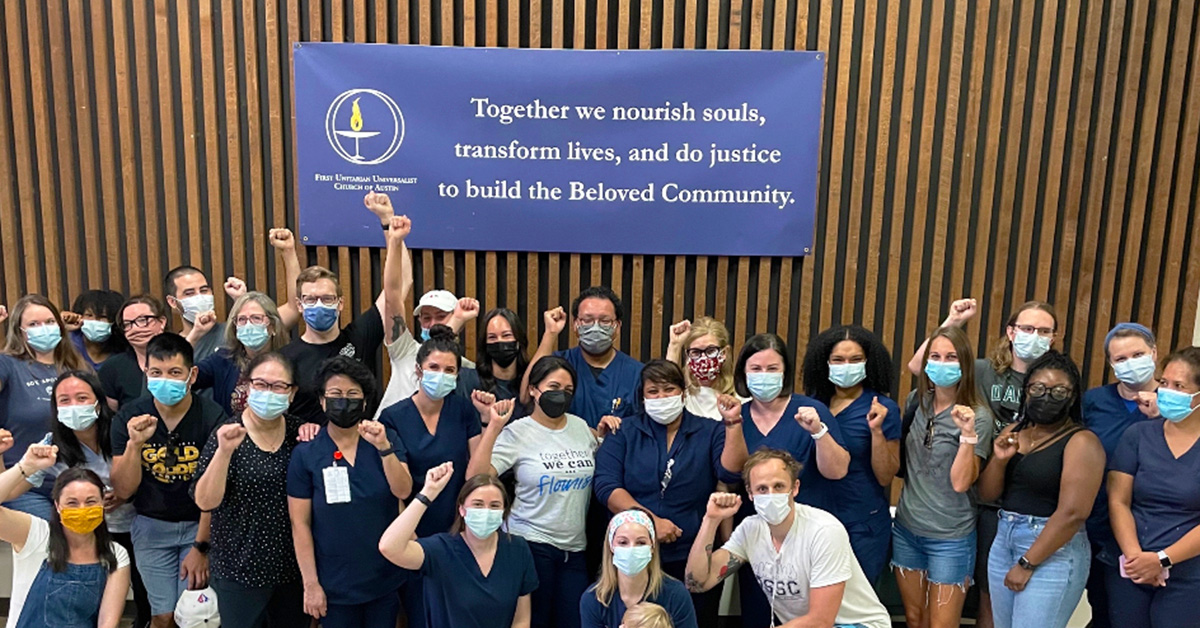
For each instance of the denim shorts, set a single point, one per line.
(160, 547)
(944, 561)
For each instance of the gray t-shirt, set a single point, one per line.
(1002, 391)
(929, 505)
(210, 342)
(554, 480)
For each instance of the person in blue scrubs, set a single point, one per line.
(608, 378)
(254, 327)
(848, 369)
(434, 426)
(667, 460)
(778, 419)
(475, 576)
(1154, 505)
(632, 574)
(1108, 411)
(347, 582)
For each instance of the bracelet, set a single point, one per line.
(386, 227)
(821, 434)
(423, 499)
(21, 469)
(732, 422)
(968, 440)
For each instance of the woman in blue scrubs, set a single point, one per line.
(631, 574)
(1108, 411)
(1154, 505)
(347, 582)
(799, 425)
(475, 576)
(849, 370)
(665, 460)
(432, 427)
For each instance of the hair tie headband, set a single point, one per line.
(629, 516)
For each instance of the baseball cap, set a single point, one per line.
(443, 300)
(197, 609)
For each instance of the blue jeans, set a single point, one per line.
(944, 561)
(1054, 589)
(562, 578)
(161, 547)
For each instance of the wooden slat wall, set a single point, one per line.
(1001, 149)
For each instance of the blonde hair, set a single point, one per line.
(1001, 356)
(708, 326)
(647, 615)
(278, 333)
(66, 358)
(606, 586)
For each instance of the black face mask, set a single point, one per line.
(345, 413)
(1046, 410)
(502, 353)
(555, 402)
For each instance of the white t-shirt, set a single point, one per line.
(28, 561)
(554, 479)
(402, 384)
(703, 403)
(816, 553)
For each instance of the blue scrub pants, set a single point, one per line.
(1139, 606)
(378, 613)
(871, 539)
(562, 579)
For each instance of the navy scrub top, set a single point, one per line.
(349, 565)
(673, 597)
(1107, 415)
(457, 424)
(859, 494)
(613, 392)
(787, 435)
(1166, 490)
(458, 595)
(635, 458)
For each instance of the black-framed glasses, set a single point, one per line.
(275, 387)
(1058, 393)
(707, 352)
(1030, 329)
(255, 319)
(929, 432)
(141, 321)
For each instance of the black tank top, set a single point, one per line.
(1031, 482)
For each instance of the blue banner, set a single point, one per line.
(653, 152)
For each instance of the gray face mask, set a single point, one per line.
(596, 338)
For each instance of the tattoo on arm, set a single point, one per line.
(730, 567)
(397, 326)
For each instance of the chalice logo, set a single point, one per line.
(364, 126)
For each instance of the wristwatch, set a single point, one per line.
(423, 499)
(384, 453)
(202, 546)
(1024, 563)
(1164, 560)
(821, 433)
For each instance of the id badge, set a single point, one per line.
(337, 485)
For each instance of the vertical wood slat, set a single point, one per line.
(42, 154)
(68, 128)
(190, 141)
(9, 247)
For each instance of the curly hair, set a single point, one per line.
(816, 362)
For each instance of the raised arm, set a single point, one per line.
(961, 311)
(991, 480)
(735, 452)
(885, 454)
(285, 243)
(965, 469)
(675, 347)
(210, 488)
(556, 321)
(397, 278)
(126, 474)
(706, 567)
(397, 474)
(481, 461)
(833, 461)
(397, 543)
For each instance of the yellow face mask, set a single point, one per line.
(82, 520)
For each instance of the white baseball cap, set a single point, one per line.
(197, 609)
(443, 300)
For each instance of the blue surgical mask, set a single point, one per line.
(320, 317)
(764, 386)
(167, 391)
(43, 338)
(1030, 347)
(424, 334)
(847, 375)
(437, 384)
(77, 418)
(253, 336)
(97, 331)
(482, 522)
(1175, 406)
(631, 561)
(1135, 371)
(943, 374)
(266, 404)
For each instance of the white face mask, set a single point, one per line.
(196, 305)
(664, 409)
(773, 507)
(1030, 347)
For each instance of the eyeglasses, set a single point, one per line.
(1058, 393)
(1047, 332)
(707, 352)
(588, 322)
(324, 299)
(275, 387)
(350, 394)
(929, 433)
(141, 321)
(256, 319)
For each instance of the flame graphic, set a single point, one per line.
(356, 122)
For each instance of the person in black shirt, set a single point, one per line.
(139, 320)
(156, 443)
(243, 481)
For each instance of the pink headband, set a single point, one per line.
(629, 516)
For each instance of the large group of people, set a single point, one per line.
(271, 467)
